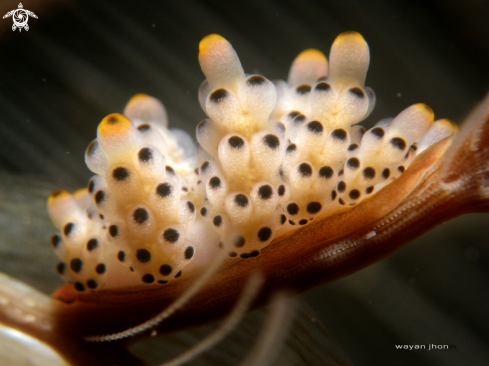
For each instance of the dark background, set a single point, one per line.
(82, 60)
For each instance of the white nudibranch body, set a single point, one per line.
(277, 155)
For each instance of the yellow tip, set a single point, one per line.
(427, 110)
(57, 196)
(448, 124)
(137, 97)
(209, 42)
(312, 53)
(114, 124)
(349, 35)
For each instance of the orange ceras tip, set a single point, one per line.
(114, 124)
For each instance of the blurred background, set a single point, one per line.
(81, 60)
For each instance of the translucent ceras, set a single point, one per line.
(285, 175)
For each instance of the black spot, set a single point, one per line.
(333, 195)
(148, 278)
(60, 267)
(326, 172)
(143, 255)
(291, 148)
(171, 235)
(303, 89)
(353, 163)
(398, 142)
(354, 194)
(255, 80)
(341, 201)
(352, 147)
(322, 86)
(113, 230)
(99, 196)
(131, 269)
(220, 245)
(245, 255)
(322, 78)
(191, 206)
(205, 165)
(76, 265)
(358, 92)
(271, 141)
(283, 218)
(233, 254)
(166, 269)
(239, 241)
(313, 207)
(264, 233)
(254, 253)
(120, 173)
(291, 222)
(92, 148)
(303, 222)
(293, 114)
(235, 142)
(189, 252)
(414, 147)
(386, 173)
(80, 286)
(305, 170)
(203, 211)
(144, 127)
(340, 173)
(315, 127)
(178, 274)
(169, 170)
(196, 171)
(164, 189)
(91, 186)
(161, 282)
(145, 154)
(55, 241)
(400, 169)
(199, 182)
(281, 190)
(218, 95)
(217, 221)
(215, 182)
(241, 200)
(378, 131)
(292, 208)
(185, 189)
(339, 134)
(140, 215)
(100, 269)
(68, 229)
(369, 190)
(92, 284)
(341, 186)
(101, 216)
(121, 255)
(299, 119)
(92, 244)
(265, 192)
(369, 173)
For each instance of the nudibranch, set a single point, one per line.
(284, 181)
